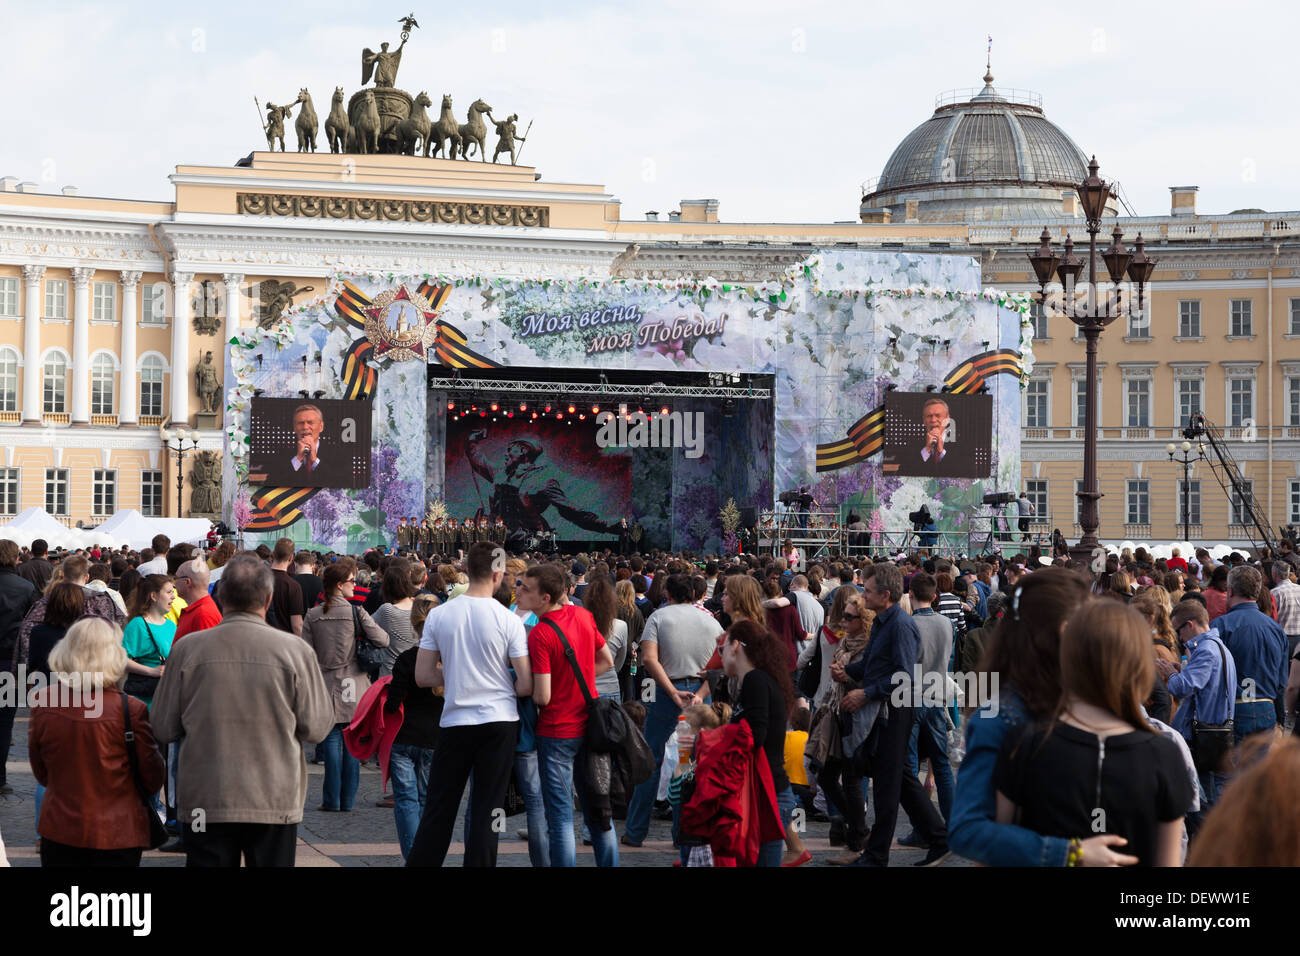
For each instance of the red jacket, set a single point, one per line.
(734, 800)
(371, 729)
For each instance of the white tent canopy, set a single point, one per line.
(37, 523)
(134, 529)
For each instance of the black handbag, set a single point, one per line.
(157, 832)
(607, 723)
(370, 656)
(811, 677)
(1211, 743)
(144, 685)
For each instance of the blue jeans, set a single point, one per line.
(1253, 717)
(660, 719)
(342, 772)
(529, 779)
(769, 854)
(562, 764)
(409, 768)
(930, 721)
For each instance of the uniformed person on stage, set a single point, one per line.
(403, 535)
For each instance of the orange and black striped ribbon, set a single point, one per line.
(451, 350)
(867, 434)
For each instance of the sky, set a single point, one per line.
(779, 110)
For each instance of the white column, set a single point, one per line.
(233, 281)
(32, 343)
(180, 358)
(81, 345)
(128, 411)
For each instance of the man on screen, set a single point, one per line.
(308, 423)
(935, 455)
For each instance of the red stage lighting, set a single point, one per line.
(548, 408)
(664, 410)
(534, 415)
(523, 406)
(510, 414)
(582, 416)
(572, 409)
(595, 409)
(450, 406)
(494, 406)
(559, 414)
(482, 414)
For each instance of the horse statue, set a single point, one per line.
(444, 129)
(306, 124)
(363, 137)
(336, 126)
(475, 131)
(414, 130)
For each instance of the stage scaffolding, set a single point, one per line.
(822, 536)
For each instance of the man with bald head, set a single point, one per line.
(200, 611)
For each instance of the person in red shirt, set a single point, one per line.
(562, 721)
(1177, 562)
(200, 612)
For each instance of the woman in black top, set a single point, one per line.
(412, 755)
(755, 658)
(1099, 767)
(66, 602)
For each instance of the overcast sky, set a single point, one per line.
(777, 109)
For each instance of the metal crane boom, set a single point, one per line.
(1229, 476)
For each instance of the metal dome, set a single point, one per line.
(984, 154)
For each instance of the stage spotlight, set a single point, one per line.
(559, 414)
(494, 406)
(572, 409)
(582, 416)
(523, 406)
(510, 414)
(664, 410)
(482, 414)
(534, 416)
(450, 406)
(473, 408)
(595, 409)
(548, 408)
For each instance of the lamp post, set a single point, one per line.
(1186, 459)
(174, 439)
(1092, 316)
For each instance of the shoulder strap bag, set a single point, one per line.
(607, 724)
(157, 832)
(370, 656)
(1211, 743)
(144, 685)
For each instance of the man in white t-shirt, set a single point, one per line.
(467, 647)
(161, 544)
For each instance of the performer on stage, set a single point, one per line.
(526, 490)
(624, 536)
(804, 501)
(403, 535)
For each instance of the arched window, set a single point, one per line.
(151, 386)
(101, 385)
(55, 384)
(8, 380)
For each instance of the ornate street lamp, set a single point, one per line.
(174, 439)
(1092, 316)
(1186, 459)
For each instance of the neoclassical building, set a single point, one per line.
(108, 306)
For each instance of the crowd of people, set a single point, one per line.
(1062, 714)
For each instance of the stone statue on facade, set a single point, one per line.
(206, 384)
(507, 138)
(205, 484)
(275, 117)
(383, 65)
(207, 310)
(274, 297)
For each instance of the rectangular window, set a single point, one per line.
(1241, 504)
(1293, 502)
(55, 385)
(8, 491)
(1139, 404)
(1039, 316)
(151, 488)
(1037, 492)
(1240, 318)
(105, 309)
(1139, 501)
(1139, 323)
(101, 388)
(56, 491)
(1293, 401)
(1189, 318)
(1036, 403)
(1080, 402)
(151, 390)
(8, 380)
(56, 298)
(153, 304)
(1189, 399)
(1190, 512)
(9, 295)
(1241, 401)
(104, 491)
(1295, 317)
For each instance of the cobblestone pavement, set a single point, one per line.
(367, 836)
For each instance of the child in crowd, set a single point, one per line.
(673, 777)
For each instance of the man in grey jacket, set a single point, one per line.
(242, 698)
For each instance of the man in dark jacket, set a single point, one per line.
(16, 597)
(38, 570)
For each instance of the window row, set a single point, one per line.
(103, 388)
(1137, 501)
(104, 497)
(207, 298)
(1137, 410)
(1240, 320)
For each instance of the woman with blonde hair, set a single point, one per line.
(93, 812)
(1099, 753)
(629, 614)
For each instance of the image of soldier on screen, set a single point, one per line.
(525, 489)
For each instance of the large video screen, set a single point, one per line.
(937, 435)
(538, 475)
(310, 443)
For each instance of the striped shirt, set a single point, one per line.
(1286, 597)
